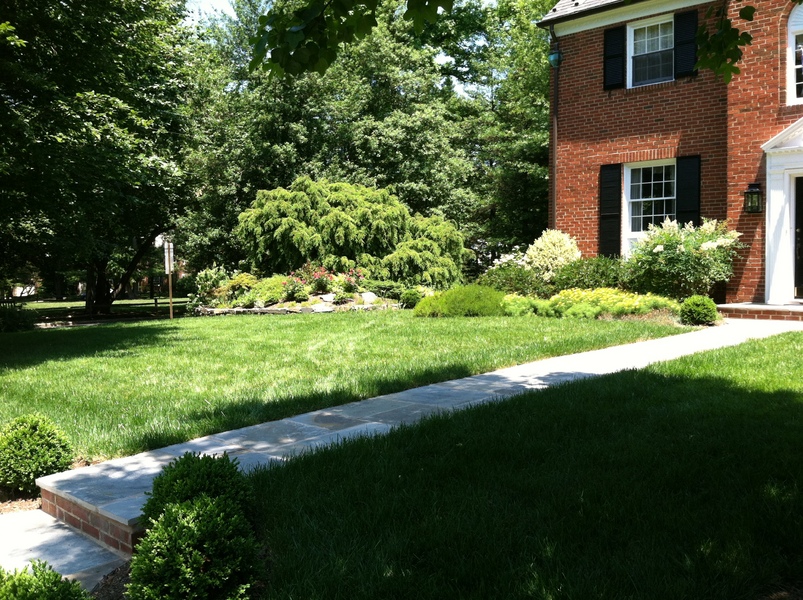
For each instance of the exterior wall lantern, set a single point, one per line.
(555, 58)
(753, 199)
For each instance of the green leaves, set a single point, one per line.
(344, 224)
(308, 39)
(721, 50)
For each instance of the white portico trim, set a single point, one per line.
(784, 164)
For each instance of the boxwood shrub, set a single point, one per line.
(698, 310)
(41, 582)
(32, 446)
(193, 474)
(199, 549)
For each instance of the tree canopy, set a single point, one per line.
(90, 167)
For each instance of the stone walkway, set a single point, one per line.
(103, 501)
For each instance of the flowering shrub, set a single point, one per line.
(550, 252)
(295, 288)
(322, 280)
(351, 280)
(682, 261)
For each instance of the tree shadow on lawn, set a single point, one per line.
(28, 348)
(632, 485)
(223, 416)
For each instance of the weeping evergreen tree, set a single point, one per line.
(344, 226)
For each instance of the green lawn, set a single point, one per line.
(683, 480)
(121, 388)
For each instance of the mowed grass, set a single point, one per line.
(683, 480)
(118, 389)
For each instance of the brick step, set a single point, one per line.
(750, 310)
(112, 531)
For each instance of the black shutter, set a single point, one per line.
(610, 210)
(687, 192)
(685, 43)
(614, 72)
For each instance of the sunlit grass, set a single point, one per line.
(682, 480)
(121, 388)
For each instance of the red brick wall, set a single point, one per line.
(756, 113)
(724, 124)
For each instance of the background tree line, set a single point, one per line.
(124, 121)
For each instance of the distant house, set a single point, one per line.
(638, 135)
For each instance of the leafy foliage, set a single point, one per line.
(41, 582)
(698, 310)
(410, 298)
(344, 226)
(721, 50)
(191, 475)
(681, 261)
(31, 446)
(201, 548)
(513, 278)
(549, 252)
(15, 319)
(90, 114)
(462, 301)
(590, 273)
(588, 304)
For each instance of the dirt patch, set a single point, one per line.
(112, 586)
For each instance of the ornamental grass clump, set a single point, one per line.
(681, 261)
(31, 446)
(550, 252)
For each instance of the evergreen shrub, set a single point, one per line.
(41, 582)
(203, 548)
(191, 475)
(698, 310)
(462, 301)
(410, 298)
(31, 446)
(517, 306)
(384, 289)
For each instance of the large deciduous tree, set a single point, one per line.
(90, 165)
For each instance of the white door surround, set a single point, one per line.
(784, 163)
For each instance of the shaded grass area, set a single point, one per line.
(121, 388)
(69, 310)
(682, 480)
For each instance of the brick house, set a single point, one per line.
(638, 135)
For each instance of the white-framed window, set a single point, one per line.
(794, 57)
(651, 51)
(649, 196)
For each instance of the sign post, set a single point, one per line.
(168, 246)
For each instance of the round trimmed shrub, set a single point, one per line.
(32, 446)
(698, 310)
(192, 475)
(410, 298)
(40, 583)
(200, 549)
